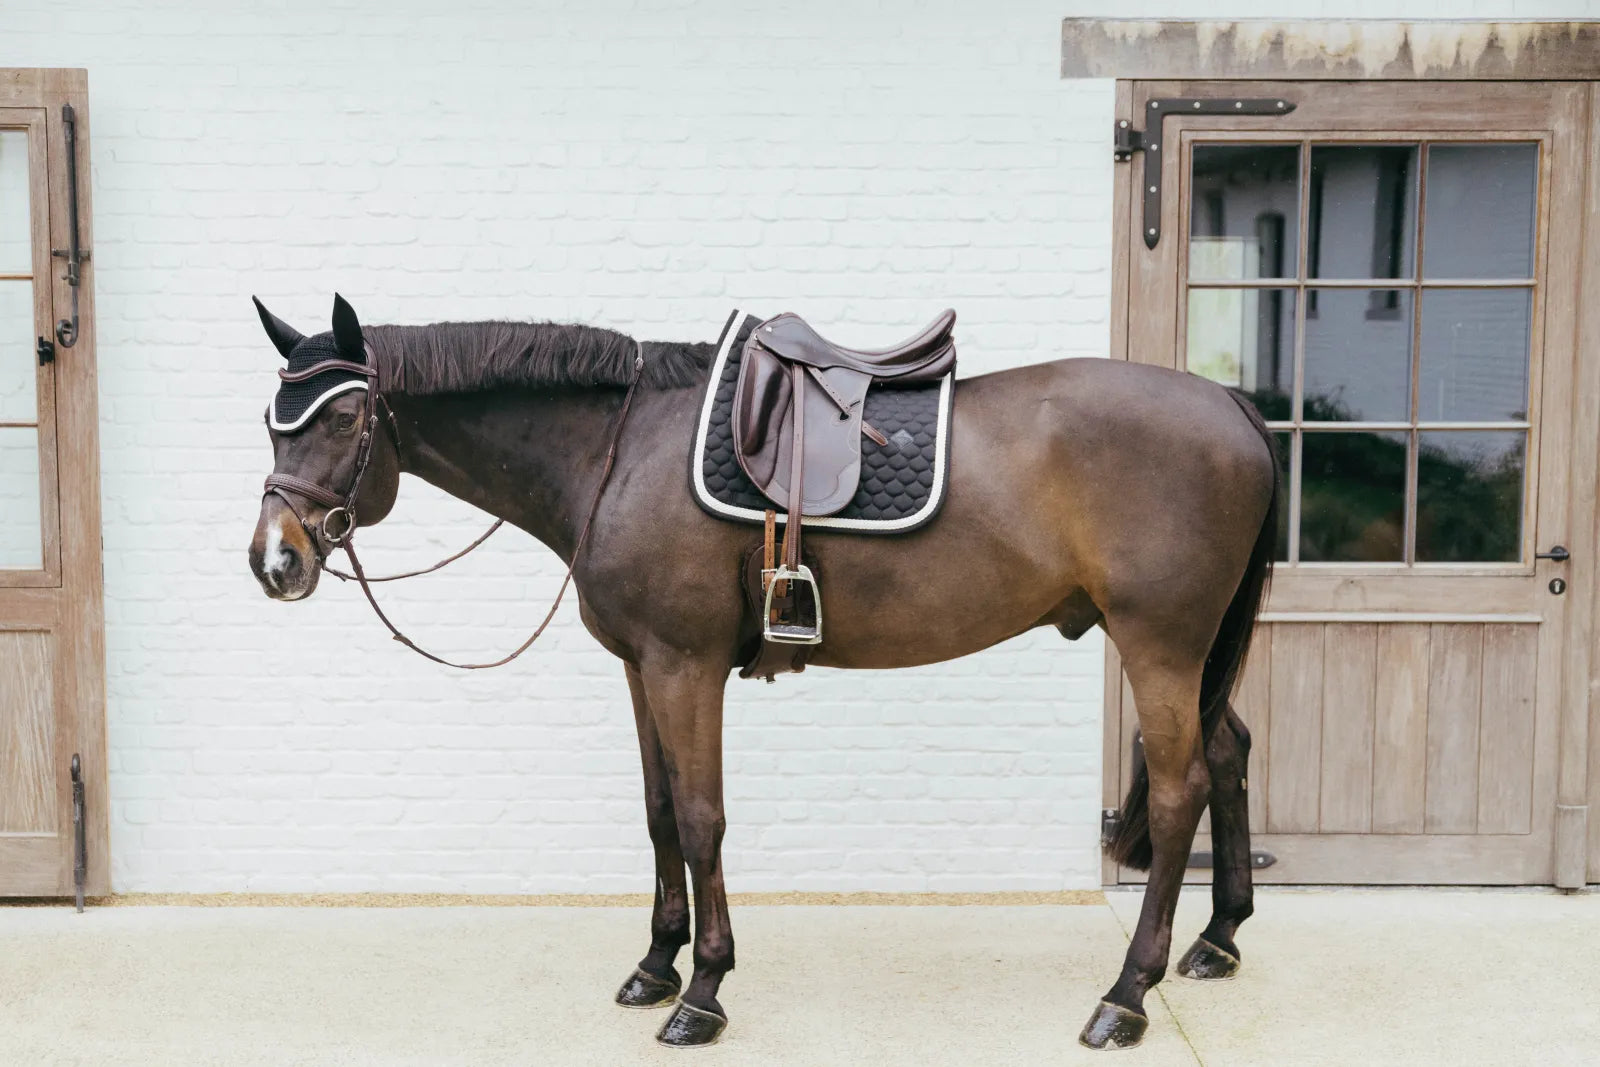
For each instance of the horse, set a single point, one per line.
(1083, 492)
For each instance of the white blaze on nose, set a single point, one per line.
(276, 557)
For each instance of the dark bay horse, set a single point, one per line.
(1083, 492)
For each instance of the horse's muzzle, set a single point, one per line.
(283, 559)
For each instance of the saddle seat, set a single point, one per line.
(791, 338)
(797, 429)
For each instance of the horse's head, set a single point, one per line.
(335, 462)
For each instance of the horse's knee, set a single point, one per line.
(713, 950)
(661, 820)
(1239, 730)
(700, 830)
(1228, 752)
(669, 926)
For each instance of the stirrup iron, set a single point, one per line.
(792, 631)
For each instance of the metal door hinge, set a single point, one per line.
(46, 350)
(1110, 823)
(80, 843)
(1126, 140)
(74, 254)
(1260, 860)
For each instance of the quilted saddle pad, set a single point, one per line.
(902, 484)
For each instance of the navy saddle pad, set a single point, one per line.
(902, 484)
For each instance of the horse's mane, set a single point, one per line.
(465, 357)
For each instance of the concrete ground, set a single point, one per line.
(1345, 977)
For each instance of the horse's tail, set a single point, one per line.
(1130, 845)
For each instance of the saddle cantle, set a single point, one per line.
(784, 352)
(797, 414)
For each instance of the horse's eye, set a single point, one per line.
(346, 420)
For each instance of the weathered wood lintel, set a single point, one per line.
(1331, 50)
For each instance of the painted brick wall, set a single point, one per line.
(642, 165)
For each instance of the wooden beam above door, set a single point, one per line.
(1328, 49)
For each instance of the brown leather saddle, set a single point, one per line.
(797, 421)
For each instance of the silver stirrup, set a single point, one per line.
(792, 633)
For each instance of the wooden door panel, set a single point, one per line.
(1349, 677)
(1294, 778)
(1400, 734)
(1348, 711)
(1505, 739)
(27, 733)
(1454, 681)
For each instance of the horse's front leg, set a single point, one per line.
(685, 699)
(656, 983)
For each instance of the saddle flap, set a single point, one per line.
(764, 430)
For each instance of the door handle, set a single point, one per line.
(1559, 553)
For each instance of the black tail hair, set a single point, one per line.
(1130, 845)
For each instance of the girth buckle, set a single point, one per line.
(793, 628)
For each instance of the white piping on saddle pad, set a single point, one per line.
(824, 522)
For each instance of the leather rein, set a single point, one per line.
(341, 533)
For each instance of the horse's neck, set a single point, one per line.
(533, 459)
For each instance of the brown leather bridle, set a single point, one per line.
(342, 533)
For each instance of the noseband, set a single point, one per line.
(341, 533)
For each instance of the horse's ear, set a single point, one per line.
(284, 337)
(347, 330)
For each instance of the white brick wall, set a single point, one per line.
(643, 165)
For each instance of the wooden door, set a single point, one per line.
(51, 630)
(1389, 272)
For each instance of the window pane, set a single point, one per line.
(21, 541)
(1363, 211)
(1358, 355)
(1481, 206)
(1353, 497)
(1244, 212)
(1474, 354)
(1469, 497)
(18, 364)
(16, 241)
(1245, 338)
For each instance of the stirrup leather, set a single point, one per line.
(792, 631)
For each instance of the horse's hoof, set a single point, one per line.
(691, 1027)
(645, 990)
(1113, 1026)
(1205, 962)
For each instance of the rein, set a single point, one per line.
(343, 536)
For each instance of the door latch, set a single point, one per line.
(1559, 553)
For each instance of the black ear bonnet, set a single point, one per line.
(296, 403)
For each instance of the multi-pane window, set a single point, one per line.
(21, 539)
(1389, 346)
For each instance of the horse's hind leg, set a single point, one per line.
(1215, 956)
(1167, 696)
(655, 983)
